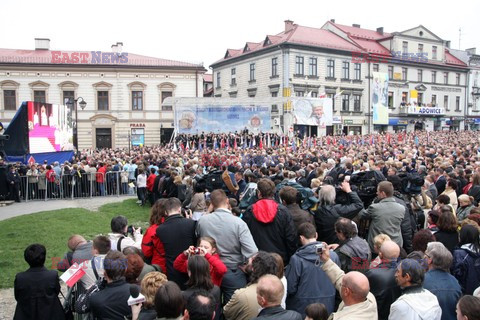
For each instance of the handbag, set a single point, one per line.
(83, 302)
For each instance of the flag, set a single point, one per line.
(188, 145)
(254, 143)
(175, 147)
(338, 94)
(269, 144)
(235, 144)
(389, 138)
(261, 144)
(200, 147)
(72, 275)
(294, 145)
(31, 160)
(227, 143)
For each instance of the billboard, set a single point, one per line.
(194, 119)
(48, 128)
(313, 112)
(380, 98)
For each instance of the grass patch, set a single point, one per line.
(53, 228)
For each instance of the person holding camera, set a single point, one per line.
(306, 282)
(119, 236)
(207, 247)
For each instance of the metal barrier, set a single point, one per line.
(75, 185)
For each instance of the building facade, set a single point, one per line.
(338, 61)
(124, 92)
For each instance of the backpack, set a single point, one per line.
(182, 192)
(412, 182)
(82, 304)
(305, 196)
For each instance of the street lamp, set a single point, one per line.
(73, 104)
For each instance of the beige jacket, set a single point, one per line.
(243, 305)
(366, 310)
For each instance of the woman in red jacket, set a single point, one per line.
(207, 247)
(152, 247)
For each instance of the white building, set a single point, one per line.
(339, 60)
(124, 91)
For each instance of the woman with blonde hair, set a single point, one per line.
(149, 287)
(465, 205)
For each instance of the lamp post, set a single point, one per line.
(73, 104)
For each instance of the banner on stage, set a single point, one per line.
(195, 119)
(313, 112)
(380, 98)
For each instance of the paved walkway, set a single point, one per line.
(19, 209)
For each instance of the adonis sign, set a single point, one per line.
(397, 56)
(93, 57)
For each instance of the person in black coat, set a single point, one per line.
(328, 212)
(13, 180)
(176, 234)
(36, 290)
(269, 296)
(111, 302)
(270, 223)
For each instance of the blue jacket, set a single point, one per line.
(447, 290)
(466, 268)
(307, 282)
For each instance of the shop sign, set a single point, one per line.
(137, 125)
(426, 110)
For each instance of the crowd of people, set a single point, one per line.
(288, 228)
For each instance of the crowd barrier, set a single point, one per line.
(75, 186)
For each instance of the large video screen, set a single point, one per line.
(49, 128)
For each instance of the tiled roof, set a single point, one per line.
(320, 38)
(361, 33)
(208, 77)
(46, 57)
(372, 46)
(451, 59)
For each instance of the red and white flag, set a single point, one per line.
(72, 275)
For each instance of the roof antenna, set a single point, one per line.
(459, 37)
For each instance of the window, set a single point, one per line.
(420, 48)
(218, 80)
(252, 71)
(331, 68)
(102, 100)
(390, 72)
(356, 103)
(434, 76)
(390, 99)
(345, 70)
(457, 104)
(445, 103)
(69, 96)
(9, 100)
(404, 74)
(405, 47)
(358, 71)
(39, 96)
(434, 52)
(165, 95)
(299, 93)
(420, 75)
(314, 94)
(375, 67)
(404, 97)
(345, 102)
(420, 98)
(274, 67)
(137, 100)
(299, 65)
(434, 100)
(457, 79)
(445, 77)
(313, 67)
(233, 81)
(274, 94)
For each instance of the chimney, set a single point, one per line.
(356, 25)
(447, 43)
(380, 30)
(471, 51)
(332, 20)
(42, 44)
(120, 47)
(288, 25)
(114, 48)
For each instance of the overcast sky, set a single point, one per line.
(201, 31)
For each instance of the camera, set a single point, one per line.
(196, 250)
(130, 229)
(319, 248)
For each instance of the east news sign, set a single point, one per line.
(92, 57)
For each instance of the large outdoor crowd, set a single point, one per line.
(280, 228)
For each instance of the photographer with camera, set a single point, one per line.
(119, 236)
(328, 211)
(306, 281)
